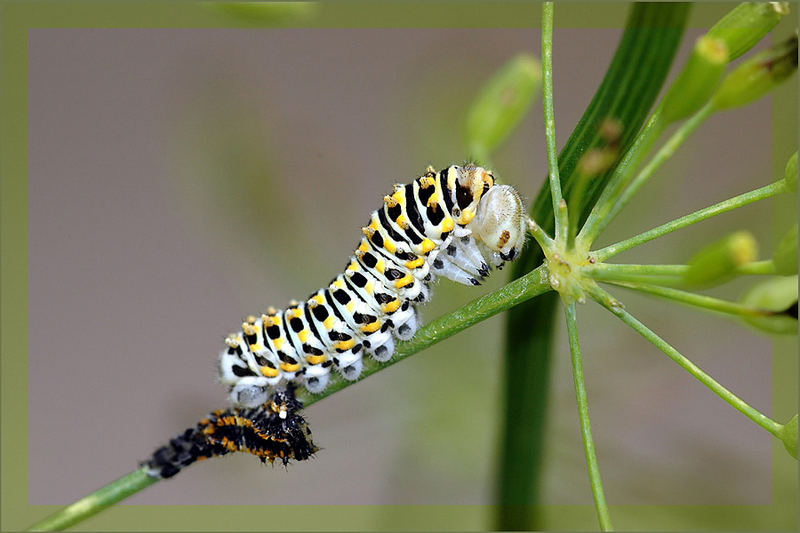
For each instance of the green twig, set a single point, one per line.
(621, 176)
(630, 85)
(664, 153)
(519, 290)
(708, 303)
(583, 415)
(559, 207)
(692, 218)
(95, 502)
(757, 268)
(616, 307)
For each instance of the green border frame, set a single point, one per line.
(16, 18)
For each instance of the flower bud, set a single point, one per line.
(790, 173)
(756, 76)
(785, 256)
(746, 24)
(719, 260)
(502, 103)
(696, 82)
(778, 298)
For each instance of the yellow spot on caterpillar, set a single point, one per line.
(363, 247)
(427, 181)
(231, 341)
(366, 230)
(433, 201)
(328, 322)
(427, 245)
(351, 305)
(402, 282)
(289, 367)
(256, 348)
(389, 245)
(429, 169)
(448, 224)
(352, 267)
(402, 222)
(389, 201)
(249, 328)
(390, 307)
(398, 195)
(380, 266)
(344, 345)
(303, 335)
(315, 359)
(338, 283)
(416, 263)
(268, 371)
(372, 326)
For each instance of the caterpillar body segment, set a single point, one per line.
(454, 223)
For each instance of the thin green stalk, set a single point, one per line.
(757, 268)
(641, 146)
(708, 303)
(665, 152)
(630, 86)
(559, 207)
(687, 220)
(616, 307)
(519, 290)
(95, 502)
(665, 274)
(583, 414)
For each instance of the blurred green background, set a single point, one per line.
(180, 179)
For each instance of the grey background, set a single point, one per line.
(182, 179)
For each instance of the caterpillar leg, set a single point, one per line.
(444, 265)
(404, 331)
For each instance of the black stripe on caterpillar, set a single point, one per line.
(274, 430)
(453, 223)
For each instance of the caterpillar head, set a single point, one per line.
(500, 223)
(468, 184)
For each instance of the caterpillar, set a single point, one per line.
(274, 430)
(454, 223)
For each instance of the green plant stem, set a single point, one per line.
(667, 273)
(630, 85)
(519, 290)
(757, 268)
(583, 415)
(640, 147)
(692, 218)
(616, 307)
(665, 152)
(708, 303)
(95, 502)
(559, 207)
(663, 274)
